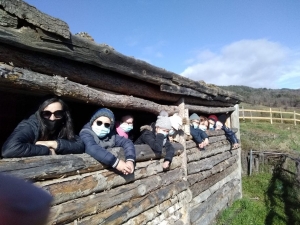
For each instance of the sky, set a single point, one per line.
(254, 43)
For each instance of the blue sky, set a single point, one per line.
(254, 43)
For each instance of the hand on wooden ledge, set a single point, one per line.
(123, 167)
(166, 165)
(235, 146)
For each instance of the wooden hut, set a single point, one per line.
(39, 55)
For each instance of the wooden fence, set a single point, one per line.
(252, 114)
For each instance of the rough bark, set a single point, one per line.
(65, 189)
(25, 79)
(209, 110)
(49, 167)
(33, 16)
(128, 195)
(7, 20)
(208, 163)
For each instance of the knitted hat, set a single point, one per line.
(194, 116)
(176, 121)
(213, 117)
(163, 121)
(104, 112)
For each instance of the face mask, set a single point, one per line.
(126, 127)
(211, 127)
(53, 125)
(195, 125)
(165, 133)
(202, 127)
(171, 132)
(100, 131)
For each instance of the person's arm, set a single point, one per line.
(154, 141)
(196, 135)
(230, 135)
(96, 151)
(64, 146)
(169, 151)
(21, 143)
(128, 147)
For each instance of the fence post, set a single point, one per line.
(251, 116)
(271, 116)
(243, 113)
(250, 165)
(281, 116)
(295, 118)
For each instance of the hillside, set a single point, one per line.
(284, 98)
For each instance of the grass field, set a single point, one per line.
(268, 199)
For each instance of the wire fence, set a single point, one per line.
(270, 115)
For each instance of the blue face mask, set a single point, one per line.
(100, 131)
(211, 127)
(202, 127)
(171, 132)
(126, 127)
(195, 125)
(165, 133)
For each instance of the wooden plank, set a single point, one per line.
(194, 178)
(66, 189)
(33, 16)
(7, 20)
(25, 79)
(216, 202)
(77, 72)
(175, 89)
(49, 167)
(208, 163)
(134, 199)
(209, 110)
(201, 186)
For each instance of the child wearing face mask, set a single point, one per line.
(124, 126)
(157, 138)
(199, 136)
(98, 135)
(176, 123)
(214, 124)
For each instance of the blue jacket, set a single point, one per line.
(101, 154)
(21, 143)
(198, 135)
(230, 135)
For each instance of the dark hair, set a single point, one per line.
(66, 132)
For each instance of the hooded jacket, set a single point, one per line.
(101, 154)
(156, 142)
(21, 143)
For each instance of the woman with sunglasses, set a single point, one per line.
(47, 132)
(98, 135)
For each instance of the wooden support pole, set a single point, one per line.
(281, 116)
(271, 116)
(295, 118)
(250, 163)
(243, 113)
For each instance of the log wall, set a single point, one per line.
(86, 192)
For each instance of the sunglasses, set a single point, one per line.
(59, 114)
(99, 123)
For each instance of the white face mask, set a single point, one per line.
(195, 125)
(126, 127)
(171, 132)
(100, 131)
(211, 127)
(202, 127)
(165, 133)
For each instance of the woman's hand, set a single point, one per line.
(123, 167)
(206, 142)
(166, 165)
(49, 144)
(130, 165)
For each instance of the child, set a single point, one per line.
(214, 124)
(124, 126)
(199, 136)
(157, 138)
(98, 136)
(176, 123)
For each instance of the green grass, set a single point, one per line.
(268, 199)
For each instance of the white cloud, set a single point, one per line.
(255, 63)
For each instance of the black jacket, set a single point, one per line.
(21, 143)
(155, 141)
(198, 135)
(230, 135)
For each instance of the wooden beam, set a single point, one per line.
(32, 15)
(7, 20)
(209, 110)
(24, 79)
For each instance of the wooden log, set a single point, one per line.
(77, 72)
(208, 163)
(212, 205)
(201, 186)
(7, 20)
(213, 149)
(209, 110)
(65, 189)
(103, 56)
(194, 178)
(25, 79)
(49, 167)
(212, 139)
(203, 196)
(175, 89)
(33, 16)
(197, 101)
(130, 199)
